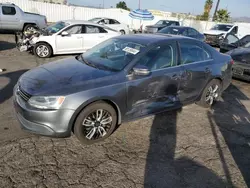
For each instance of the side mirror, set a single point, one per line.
(141, 70)
(64, 33)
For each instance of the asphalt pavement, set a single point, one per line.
(191, 147)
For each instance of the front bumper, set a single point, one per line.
(212, 40)
(52, 123)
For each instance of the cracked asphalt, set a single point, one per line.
(191, 147)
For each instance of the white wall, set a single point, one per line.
(55, 12)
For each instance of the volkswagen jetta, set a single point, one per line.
(121, 79)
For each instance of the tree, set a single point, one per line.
(207, 9)
(122, 5)
(222, 15)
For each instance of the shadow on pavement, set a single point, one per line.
(7, 91)
(233, 120)
(163, 170)
(6, 45)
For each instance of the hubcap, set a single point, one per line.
(212, 94)
(42, 51)
(97, 124)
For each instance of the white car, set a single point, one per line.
(69, 37)
(112, 23)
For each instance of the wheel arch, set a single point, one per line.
(28, 23)
(213, 78)
(40, 42)
(84, 105)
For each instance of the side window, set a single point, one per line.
(107, 21)
(8, 10)
(192, 32)
(159, 57)
(235, 30)
(89, 29)
(185, 32)
(76, 29)
(191, 52)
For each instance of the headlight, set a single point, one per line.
(45, 102)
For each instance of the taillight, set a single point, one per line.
(232, 62)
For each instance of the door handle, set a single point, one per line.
(207, 70)
(175, 77)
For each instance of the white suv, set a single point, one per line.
(112, 23)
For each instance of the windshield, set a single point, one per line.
(95, 20)
(112, 54)
(221, 27)
(54, 28)
(173, 31)
(162, 22)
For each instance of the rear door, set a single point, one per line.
(73, 42)
(10, 17)
(157, 91)
(93, 35)
(196, 62)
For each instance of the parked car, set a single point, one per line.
(231, 42)
(215, 35)
(67, 37)
(241, 57)
(185, 31)
(121, 79)
(112, 23)
(12, 18)
(160, 25)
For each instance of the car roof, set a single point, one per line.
(180, 27)
(71, 22)
(148, 39)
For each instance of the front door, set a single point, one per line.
(230, 42)
(71, 43)
(93, 35)
(157, 91)
(10, 18)
(197, 65)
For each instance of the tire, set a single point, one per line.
(88, 115)
(29, 27)
(122, 32)
(45, 50)
(205, 100)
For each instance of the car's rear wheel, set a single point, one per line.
(95, 123)
(42, 50)
(29, 28)
(210, 94)
(122, 32)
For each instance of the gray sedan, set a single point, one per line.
(121, 79)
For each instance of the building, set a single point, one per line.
(63, 2)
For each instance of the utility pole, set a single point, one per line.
(217, 6)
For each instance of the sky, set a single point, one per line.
(238, 8)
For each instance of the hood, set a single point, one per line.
(239, 51)
(61, 76)
(214, 32)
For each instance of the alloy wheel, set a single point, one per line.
(42, 51)
(97, 124)
(212, 94)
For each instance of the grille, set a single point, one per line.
(24, 95)
(211, 37)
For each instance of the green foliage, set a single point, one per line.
(122, 5)
(207, 9)
(222, 15)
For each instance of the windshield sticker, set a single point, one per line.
(131, 50)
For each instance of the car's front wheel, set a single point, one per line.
(95, 123)
(42, 50)
(210, 94)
